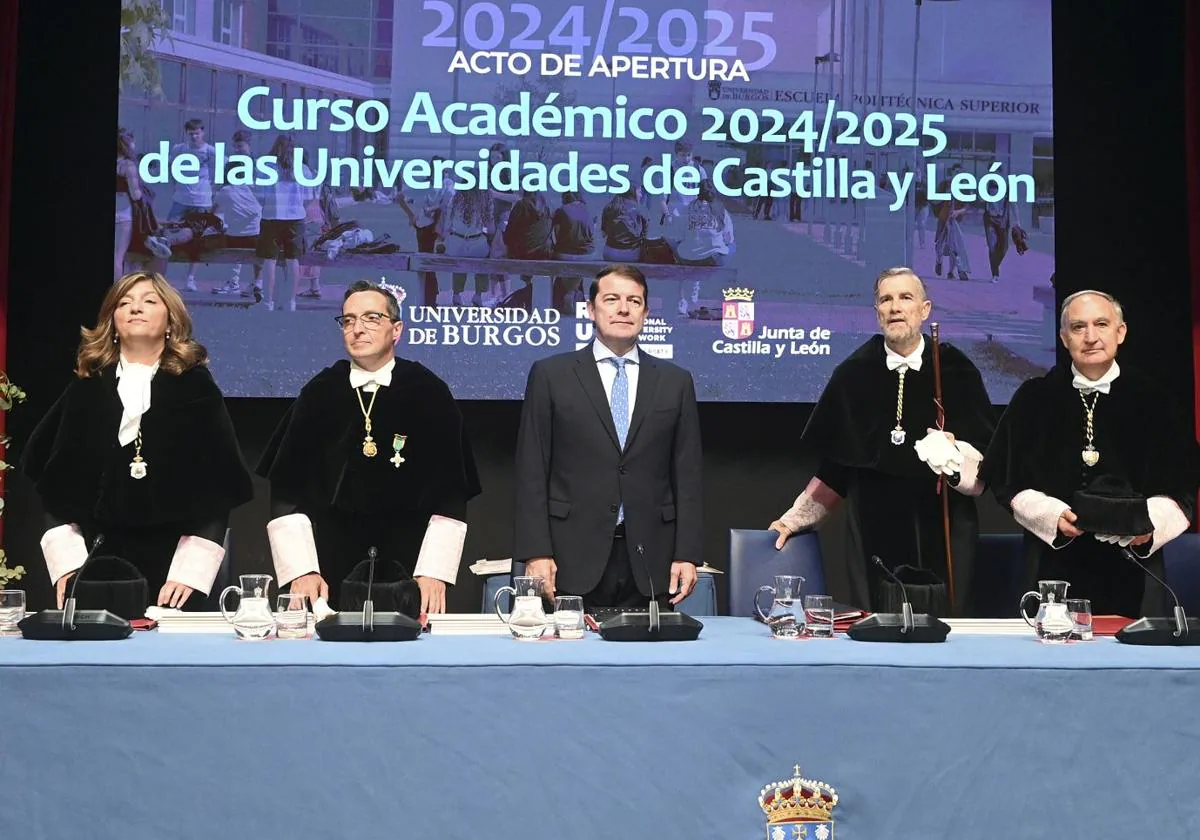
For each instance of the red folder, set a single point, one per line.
(1108, 625)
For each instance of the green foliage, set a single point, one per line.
(10, 395)
(143, 24)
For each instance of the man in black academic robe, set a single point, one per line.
(372, 454)
(875, 432)
(1086, 490)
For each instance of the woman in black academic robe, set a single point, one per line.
(138, 449)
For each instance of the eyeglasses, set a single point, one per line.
(370, 320)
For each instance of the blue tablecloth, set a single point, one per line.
(463, 737)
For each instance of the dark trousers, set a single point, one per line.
(617, 586)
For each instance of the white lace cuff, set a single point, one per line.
(64, 550)
(1038, 514)
(293, 548)
(441, 550)
(196, 563)
(1168, 520)
(811, 507)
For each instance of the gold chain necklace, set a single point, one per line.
(368, 448)
(898, 432)
(1090, 454)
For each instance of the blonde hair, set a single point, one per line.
(99, 349)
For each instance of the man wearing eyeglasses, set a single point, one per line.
(372, 454)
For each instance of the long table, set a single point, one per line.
(487, 737)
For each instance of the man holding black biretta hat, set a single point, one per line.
(373, 454)
(1092, 461)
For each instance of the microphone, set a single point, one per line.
(68, 618)
(906, 611)
(368, 611)
(71, 624)
(1157, 631)
(652, 625)
(368, 625)
(655, 620)
(905, 627)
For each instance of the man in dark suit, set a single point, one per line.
(608, 462)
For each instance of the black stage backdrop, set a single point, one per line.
(1122, 225)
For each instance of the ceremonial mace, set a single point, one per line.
(942, 491)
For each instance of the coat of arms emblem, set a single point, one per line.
(798, 808)
(737, 314)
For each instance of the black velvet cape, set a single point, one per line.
(316, 466)
(895, 511)
(195, 472)
(1142, 445)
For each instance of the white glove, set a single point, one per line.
(939, 453)
(1114, 539)
(321, 609)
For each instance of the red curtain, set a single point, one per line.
(1191, 104)
(1191, 95)
(8, 110)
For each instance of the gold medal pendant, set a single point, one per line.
(137, 467)
(1090, 455)
(369, 447)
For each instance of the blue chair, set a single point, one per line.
(1181, 557)
(494, 583)
(1000, 576)
(754, 562)
(702, 601)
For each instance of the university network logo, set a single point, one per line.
(737, 314)
(654, 339)
(798, 809)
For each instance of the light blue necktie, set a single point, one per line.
(619, 404)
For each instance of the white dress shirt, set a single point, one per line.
(133, 387)
(370, 380)
(608, 371)
(912, 361)
(1103, 384)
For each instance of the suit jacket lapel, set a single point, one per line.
(589, 378)
(646, 388)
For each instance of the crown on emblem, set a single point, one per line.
(739, 294)
(797, 800)
(396, 291)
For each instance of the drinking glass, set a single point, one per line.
(12, 610)
(291, 616)
(818, 616)
(1081, 614)
(568, 616)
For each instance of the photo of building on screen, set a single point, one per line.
(752, 273)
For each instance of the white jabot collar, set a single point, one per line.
(601, 352)
(133, 387)
(913, 360)
(1103, 384)
(370, 380)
